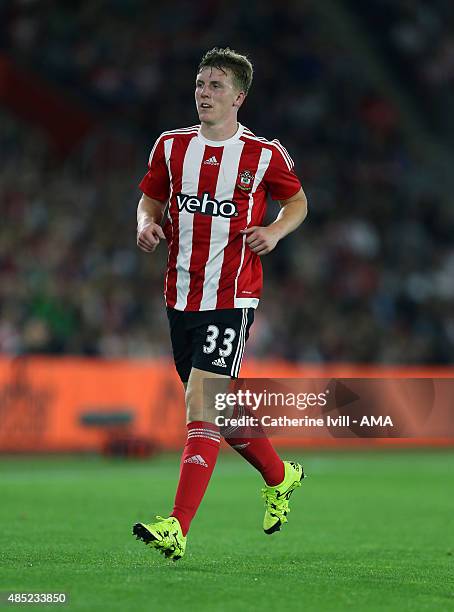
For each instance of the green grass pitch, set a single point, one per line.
(368, 531)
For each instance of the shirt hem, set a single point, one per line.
(237, 303)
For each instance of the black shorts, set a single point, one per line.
(210, 340)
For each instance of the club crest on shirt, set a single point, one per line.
(245, 180)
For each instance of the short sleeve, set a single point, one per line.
(280, 178)
(156, 183)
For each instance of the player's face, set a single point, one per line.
(216, 97)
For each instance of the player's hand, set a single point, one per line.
(261, 240)
(149, 237)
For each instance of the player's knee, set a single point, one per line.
(196, 408)
(195, 413)
(200, 405)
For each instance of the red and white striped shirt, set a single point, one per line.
(215, 189)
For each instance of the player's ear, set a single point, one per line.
(239, 99)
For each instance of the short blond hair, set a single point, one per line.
(228, 59)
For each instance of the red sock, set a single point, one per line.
(197, 464)
(257, 450)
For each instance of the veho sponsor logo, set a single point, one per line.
(206, 205)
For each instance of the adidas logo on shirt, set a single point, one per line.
(212, 161)
(198, 459)
(220, 362)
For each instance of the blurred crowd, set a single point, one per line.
(419, 39)
(367, 278)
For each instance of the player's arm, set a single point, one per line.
(262, 240)
(149, 218)
(292, 214)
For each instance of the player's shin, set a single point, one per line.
(197, 464)
(255, 447)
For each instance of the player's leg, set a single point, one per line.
(218, 339)
(256, 448)
(226, 344)
(166, 534)
(281, 477)
(188, 333)
(202, 446)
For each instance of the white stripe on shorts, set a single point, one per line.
(240, 348)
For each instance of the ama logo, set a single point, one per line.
(206, 205)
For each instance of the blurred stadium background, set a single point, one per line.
(361, 95)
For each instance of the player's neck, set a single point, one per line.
(222, 131)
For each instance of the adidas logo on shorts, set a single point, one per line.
(220, 362)
(198, 459)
